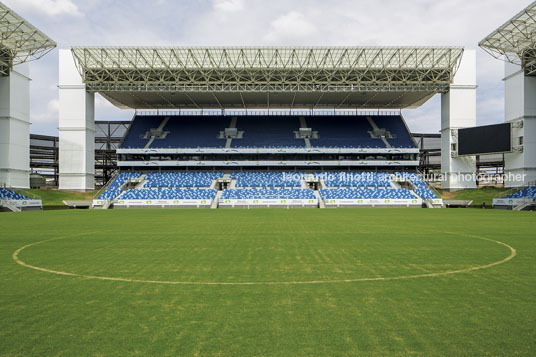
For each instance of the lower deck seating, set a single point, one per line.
(268, 193)
(354, 179)
(6, 194)
(168, 194)
(528, 192)
(113, 189)
(181, 179)
(267, 179)
(366, 193)
(273, 185)
(421, 188)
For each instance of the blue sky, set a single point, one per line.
(275, 22)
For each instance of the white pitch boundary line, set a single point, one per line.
(513, 253)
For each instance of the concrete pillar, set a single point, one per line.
(76, 128)
(458, 110)
(15, 128)
(520, 110)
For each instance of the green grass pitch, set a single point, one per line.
(268, 282)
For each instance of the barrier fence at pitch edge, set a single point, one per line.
(512, 201)
(127, 203)
(378, 202)
(268, 202)
(23, 203)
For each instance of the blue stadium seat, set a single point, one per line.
(355, 178)
(267, 179)
(395, 125)
(113, 189)
(268, 193)
(342, 132)
(6, 194)
(366, 193)
(169, 194)
(268, 132)
(421, 188)
(181, 179)
(528, 192)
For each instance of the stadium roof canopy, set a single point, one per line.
(260, 77)
(20, 41)
(515, 41)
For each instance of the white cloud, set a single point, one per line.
(228, 5)
(50, 115)
(293, 25)
(50, 8)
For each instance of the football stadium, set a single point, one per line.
(268, 200)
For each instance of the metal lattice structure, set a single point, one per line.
(20, 41)
(515, 41)
(222, 77)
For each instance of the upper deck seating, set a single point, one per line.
(394, 124)
(268, 132)
(342, 132)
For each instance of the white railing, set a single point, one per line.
(274, 112)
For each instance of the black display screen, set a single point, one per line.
(484, 139)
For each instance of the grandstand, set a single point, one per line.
(234, 109)
(260, 159)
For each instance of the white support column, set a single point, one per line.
(520, 110)
(15, 128)
(76, 128)
(458, 110)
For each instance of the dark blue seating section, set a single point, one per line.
(139, 126)
(6, 194)
(267, 131)
(193, 132)
(267, 179)
(268, 193)
(395, 125)
(181, 179)
(342, 132)
(528, 192)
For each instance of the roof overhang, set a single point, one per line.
(259, 77)
(20, 41)
(515, 41)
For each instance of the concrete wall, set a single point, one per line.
(458, 110)
(76, 128)
(15, 128)
(520, 110)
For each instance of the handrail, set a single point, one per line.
(105, 187)
(27, 194)
(265, 112)
(432, 188)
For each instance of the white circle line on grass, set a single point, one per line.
(15, 256)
